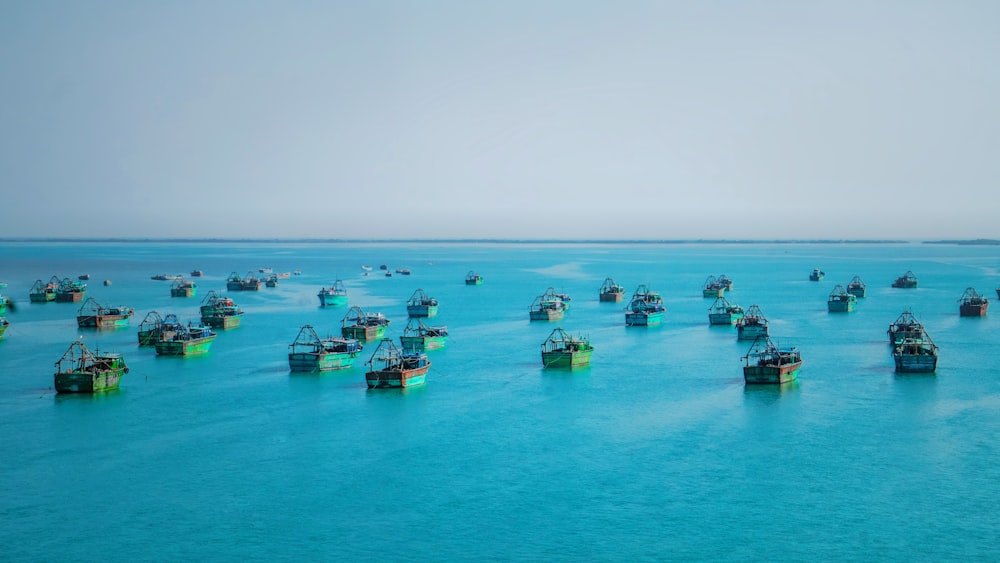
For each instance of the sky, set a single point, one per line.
(515, 119)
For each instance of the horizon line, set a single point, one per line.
(309, 240)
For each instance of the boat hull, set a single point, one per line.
(223, 322)
(773, 375)
(76, 382)
(858, 292)
(326, 300)
(915, 363)
(148, 337)
(234, 286)
(421, 310)
(41, 297)
(363, 332)
(312, 362)
(750, 332)
(184, 347)
(562, 359)
(73, 297)
(419, 344)
(397, 377)
(723, 318)
(973, 310)
(102, 321)
(546, 315)
(612, 297)
(713, 292)
(840, 306)
(183, 292)
(643, 318)
(904, 284)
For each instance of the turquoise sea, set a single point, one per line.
(656, 451)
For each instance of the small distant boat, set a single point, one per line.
(42, 292)
(310, 353)
(271, 280)
(333, 296)
(83, 277)
(283, 275)
(389, 366)
(403, 271)
(840, 301)
(546, 308)
(264, 270)
(472, 278)
(220, 312)
(69, 291)
(4, 323)
(183, 288)
(181, 340)
(713, 288)
(561, 350)
(4, 303)
(916, 354)
(753, 324)
(359, 325)
(107, 283)
(906, 281)
(94, 315)
(645, 308)
(366, 268)
(905, 326)
(3, 285)
(421, 305)
(166, 277)
(857, 288)
(388, 274)
(197, 273)
(383, 267)
(722, 312)
(297, 273)
(724, 280)
(611, 292)
(418, 337)
(764, 363)
(249, 283)
(971, 304)
(817, 275)
(82, 371)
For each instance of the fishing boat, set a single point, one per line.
(916, 354)
(296, 272)
(713, 288)
(82, 371)
(645, 308)
(197, 273)
(722, 312)
(404, 271)
(561, 350)
(366, 268)
(856, 287)
(359, 325)
(551, 293)
(418, 337)
(906, 281)
(4, 303)
(94, 315)
(546, 309)
(183, 288)
(69, 291)
(472, 278)
(248, 283)
(220, 312)
(234, 282)
(43, 292)
(151, 327)
(181, 340)
(724, 280)
(388, 274)
(905, 326)
(389, 366)
(840, 301)
(310, 353)
(421, 305)
(753, 324)
(383, 267)
(283, 275)
(817, 275)
(971, 304)
(4, 323)
(764, 363)
(265, 270)
(271, 280)
(611, 292)
(83, 277)
(333, 296)
(166, 277)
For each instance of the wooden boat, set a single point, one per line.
(181, 340)
(551, 294)
(645, 308)
(421, 305)
(391, 367)
(840, 301)
(248, 283)
(724, 313)
(906, 281)
(817, 275)
(183, 288)
(82, 371)
(560, 350)
(418, 337)
(764, 363)
(724, 280)
(473, 278)
(94, 315)
(856, 287)
(905, 326)
(916, 355)
(310, 353)
(333, 296)
(546, 309)
(753, 324)
(44, 292)
(271, 280)
(611, 292)
(4, 323)
(69, 291)
(220, 312)
(971, 304)
(197, 273)
(359, 325)
(151, 327)
(713, 288)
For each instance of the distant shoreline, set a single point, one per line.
(137, 240)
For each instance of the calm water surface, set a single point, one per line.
(656, 451)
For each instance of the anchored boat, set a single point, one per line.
(418, 337)
(916, 354)
(611, 292)
(906, 281)
(183, 288)
(153, 325)
(271, 280)
(840, 301)
(310, 353)
(473, 278)
(220, 312)
(4, 323)
(333, 296)
(753, 324)
(561, 350)
(166, 277)
(971, 304)
(181, 340)
(249, 283)
(69, 291)
(724, 280)
(94, 315)
(389, 366)
(713, 288)
(359, 325)
(44, 292)
(905, 326)
(197, 273)
(765, 363)
(817, 275)
(421, 305)
(645, 308)
(546, 308)
(722, 312)
(856, 287)
(82, 371)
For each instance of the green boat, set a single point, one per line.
(4, 303)
(220, 312)
(611, 292)
(44, 292)
(82, 371)
(183, 288)
(359, 325)
(310, 353)
(151, 327)
(333, 296)
(645, 308)
(713, 288)
(840, 301)
(181, 340)
(4, 323)
(724, 313)
(766, 364)
(94, 315)
(472, 278)
(70, 291)
(857, 288)
(753, 324)
(418, 337)
(560, 350)
(421, 305)
(906, 326)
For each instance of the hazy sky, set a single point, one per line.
(510, 119)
